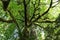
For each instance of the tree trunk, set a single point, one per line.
(29, 34)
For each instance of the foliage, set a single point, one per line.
(30, 20)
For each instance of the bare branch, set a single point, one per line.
(7, 21)
(39, 25)
(46, 21)
(25, 12)
(14, 20)
(33, 13)
(55, 5)
(20, 20)
(35, 9)
(44, 12)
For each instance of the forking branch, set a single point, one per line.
(39, 16)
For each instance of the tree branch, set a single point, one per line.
(25, 12)
(44, 12)
(14, 20)
(39, 25)
(7, 21)
(33, 13)
(46, 21)
(55, 5)
(35, 9)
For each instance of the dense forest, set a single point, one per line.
(29, 20)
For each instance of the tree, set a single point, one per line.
(28, 15)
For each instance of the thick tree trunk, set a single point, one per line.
(29, 34)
